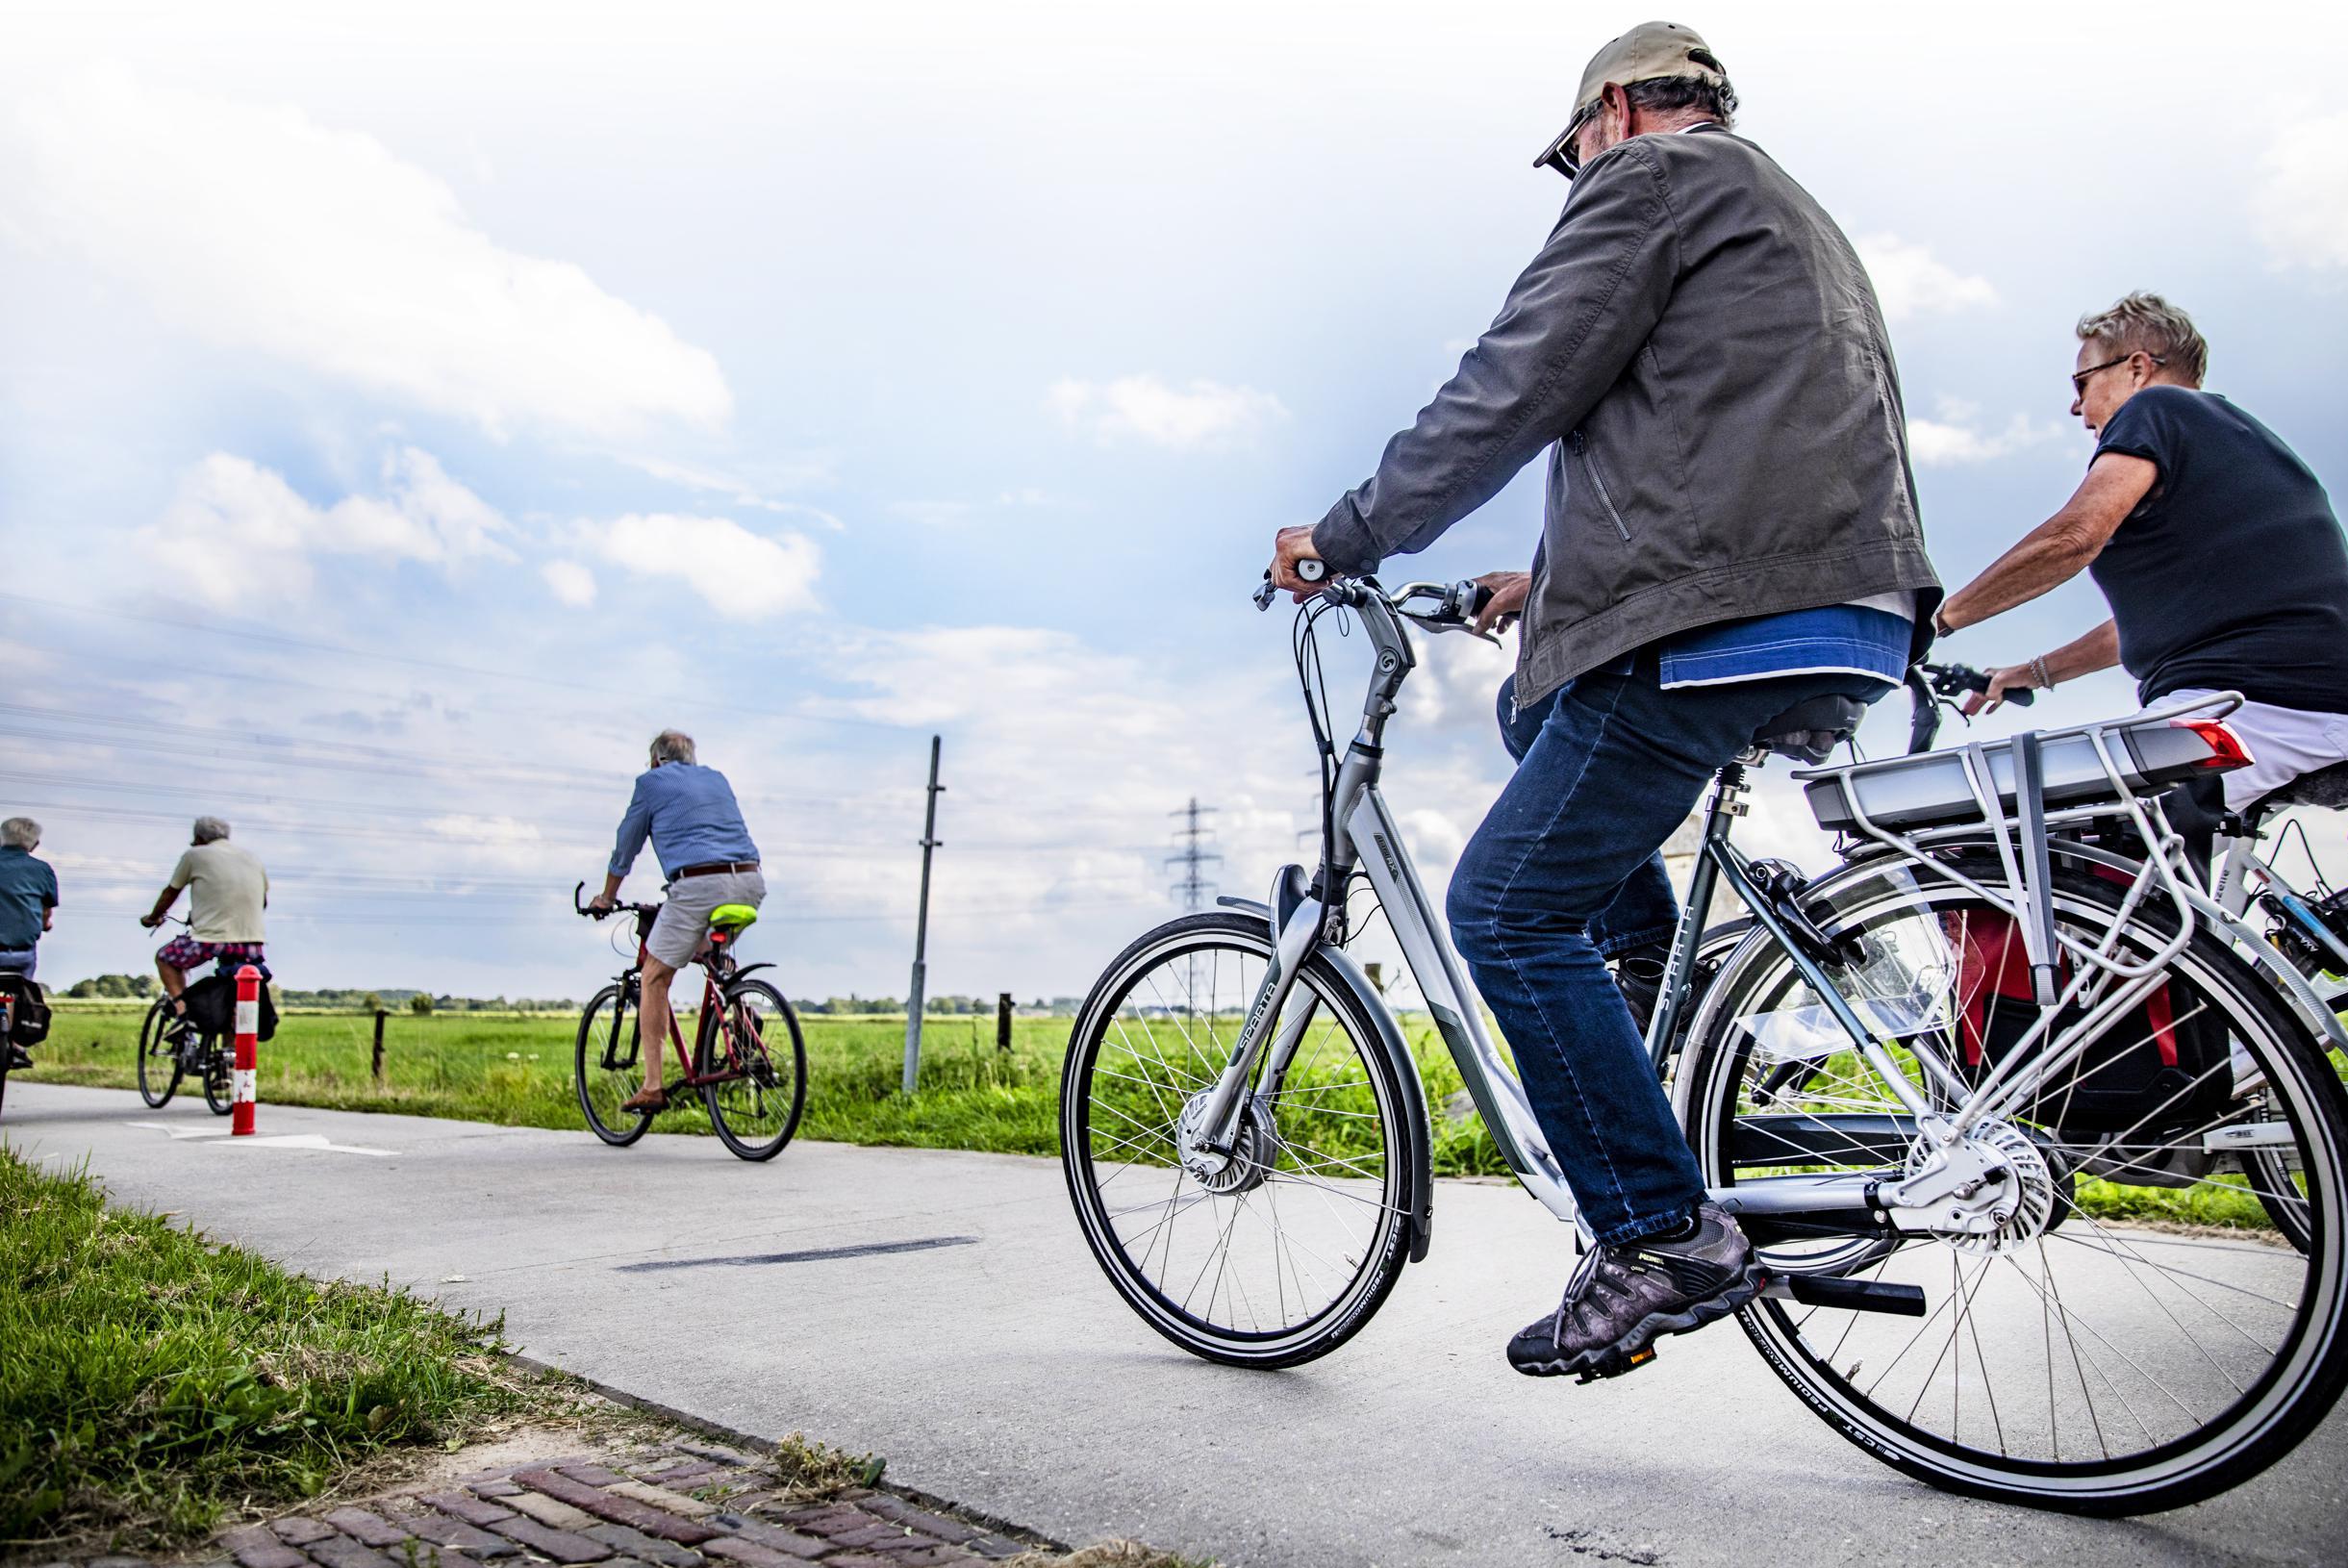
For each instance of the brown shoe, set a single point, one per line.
(654, 1098)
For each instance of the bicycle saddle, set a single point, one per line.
(731, 918)
(2326, 787)
(1812, 728)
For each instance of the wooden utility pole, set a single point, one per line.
(921, 928)
(379, 1018)
(1002, 1022)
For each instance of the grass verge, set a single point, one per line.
(152, 1380)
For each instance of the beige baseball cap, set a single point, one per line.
(1649, 51)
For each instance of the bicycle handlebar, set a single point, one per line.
(580, 904)
(1454, 607)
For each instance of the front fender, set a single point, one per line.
(1421, 1195)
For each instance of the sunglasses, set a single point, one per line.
(1564, 155)
(2081, 378)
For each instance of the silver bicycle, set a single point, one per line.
(1999, 1126)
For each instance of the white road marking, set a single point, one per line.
(282, 1140)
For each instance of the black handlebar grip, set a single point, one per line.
(1477, 600)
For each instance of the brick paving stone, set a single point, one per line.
(559, 1544)
(735, 1549)
(444, 1531)
(300, 1531)
(701, 1448)
(364, 1528)
(682, 1470)
(492, 1488)
(342, 1552)
(618, 1506)
(993, 1546)
(858, 1559)
(668, 1554)
(952, 1530)
(593, 1475)
(823, 1518)
(659, 1497)
(549, 1511)
(775, 1535)
(255, 1546)
(870, 1534)
(471, 1509)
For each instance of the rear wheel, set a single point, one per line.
(1277, 1250)
(757, 1065)
(2135, 1335)
(219, 1089)
(606, 1068)
(159, 1059)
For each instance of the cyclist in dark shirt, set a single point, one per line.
(2214, 545)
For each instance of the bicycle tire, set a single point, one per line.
(219, 1085)
(605, 1012)
(1384, 1247)
(716, 1097)
(159, 1059)
(2255, 1416)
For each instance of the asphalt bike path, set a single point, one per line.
(938, 1307)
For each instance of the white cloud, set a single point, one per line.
(259, 228)
(1910, 281)
(2300, 202)
(237, 534)
(1958, 438)
(1198, 415)
(743, 575)
(571, 583)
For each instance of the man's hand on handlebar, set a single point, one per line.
(1290, 548)
(1506, 593)
(601, 904)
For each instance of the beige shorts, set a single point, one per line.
(683, 922)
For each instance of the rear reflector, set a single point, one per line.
(2226, 748)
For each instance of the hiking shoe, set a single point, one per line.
(18, 1057)
(1624, 1299)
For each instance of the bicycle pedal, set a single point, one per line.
(1615, 1367)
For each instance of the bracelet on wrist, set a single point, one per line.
(2037, 667)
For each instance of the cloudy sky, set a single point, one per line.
(403, 415)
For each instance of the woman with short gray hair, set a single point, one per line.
(689, 813)
(2215, 546)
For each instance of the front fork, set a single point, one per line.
(1300, 923)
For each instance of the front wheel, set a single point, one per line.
(606, 1069)
(159, 1055)
(754, 1072)
(1279, 1249)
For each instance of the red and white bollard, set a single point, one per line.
(242, 1080)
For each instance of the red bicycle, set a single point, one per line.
(748, 1058)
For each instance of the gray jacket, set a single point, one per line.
(1702, 346)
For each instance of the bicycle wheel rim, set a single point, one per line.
(755, 1108)
(1229, 1289)
(219, 1089)
(157, 1061)
(602, 1089)
(2170, 1362)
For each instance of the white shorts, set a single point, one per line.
(2284, 743)
(683, 922)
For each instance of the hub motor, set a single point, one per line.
(1253, 1148)
(2006, 1200)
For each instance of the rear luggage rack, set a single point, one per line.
(2150, 751)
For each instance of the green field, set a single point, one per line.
(515, 1068)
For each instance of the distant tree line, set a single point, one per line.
(139, 987)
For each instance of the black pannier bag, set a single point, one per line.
(2164, 1064)
(28, 1008)
(212, 1006)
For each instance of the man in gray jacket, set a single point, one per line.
(1731, 539)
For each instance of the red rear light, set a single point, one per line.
(2226, 748)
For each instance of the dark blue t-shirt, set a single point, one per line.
(2231, 573)
(27, 888)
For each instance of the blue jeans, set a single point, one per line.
(1566, 871)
